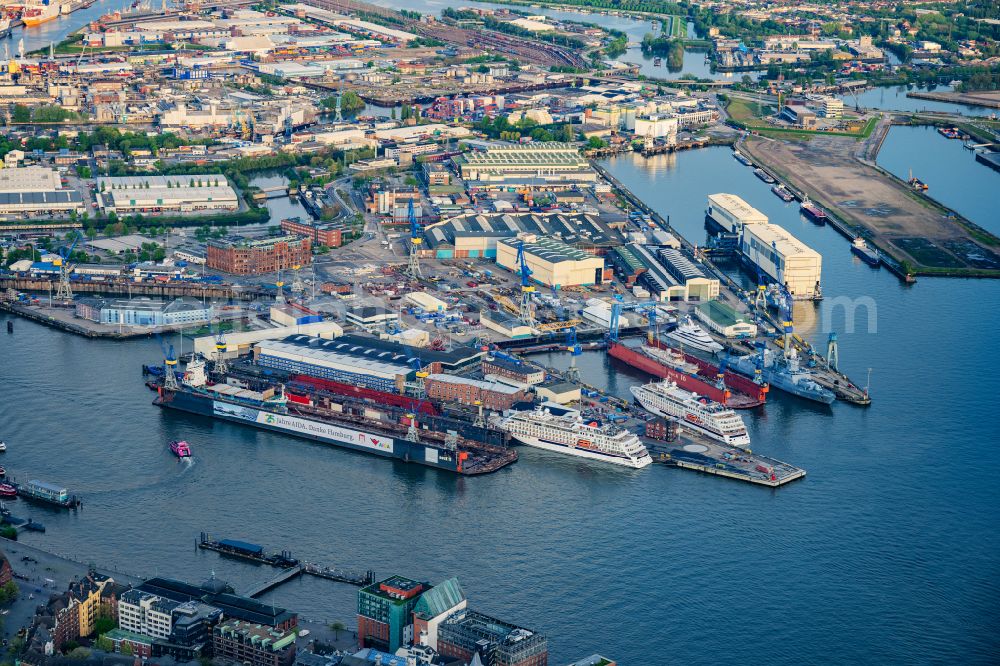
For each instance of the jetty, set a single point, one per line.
(693, 452)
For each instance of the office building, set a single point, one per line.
(385, 612)
(465, 634)
(253, 644)
(433, 608)
(490, 394)
(254, 257)
(321, 233)
(513, 368)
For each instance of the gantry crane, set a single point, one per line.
(527, 289)
(413, 268)
(64, 290)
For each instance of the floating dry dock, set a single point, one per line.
(704, 455)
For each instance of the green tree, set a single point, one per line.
(21, 114)
(104, 644)
(126, 649)
(336, 628)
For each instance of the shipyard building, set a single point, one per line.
(550, 166)
(477, 234)
(769, 250)
(552, 263)
(144, 194)
(360, 360)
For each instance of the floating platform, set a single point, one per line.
(710, 457)
(250, 552)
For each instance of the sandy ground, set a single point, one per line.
(828, 169)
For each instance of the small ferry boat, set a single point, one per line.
(181, 449)
(868, 255)
(7, 490)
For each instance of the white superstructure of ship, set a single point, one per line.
(693, 336)
(693, 411)
(569, 434)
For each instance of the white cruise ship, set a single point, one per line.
(572, 436)
(693, 336)
(693, 411)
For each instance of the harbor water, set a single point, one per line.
(886, 552)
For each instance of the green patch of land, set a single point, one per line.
(750, 115)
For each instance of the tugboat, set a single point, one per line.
(7, 491)
(181, 449)
(917, 184)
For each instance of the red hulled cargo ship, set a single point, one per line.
(739, 392)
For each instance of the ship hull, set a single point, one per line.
(582, 453)
(782, 382)
(685, 420)
(354, 438)
(735, 398)
(814, 214)
(868, 256)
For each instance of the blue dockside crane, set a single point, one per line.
(527, 289)
(169, 366)
(64, 290)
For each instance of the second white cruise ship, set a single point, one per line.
(571, 435)
(693, 411)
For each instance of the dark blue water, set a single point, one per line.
(886, 552)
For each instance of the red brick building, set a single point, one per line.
(246, 257)
(492, 395)
(330, 235)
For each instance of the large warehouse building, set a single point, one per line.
(477, 234)
(360, 360)
(552, 263)
(731, 213)
(549, 166)
(36, 190)
(144, 194)
(783, 258)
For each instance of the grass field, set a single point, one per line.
(751, 114)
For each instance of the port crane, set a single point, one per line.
(527, 289)
(574, 349)
(64, 290)
(220, 352)
(413, 268)
(169, 366)
(619, 306)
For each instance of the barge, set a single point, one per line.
(364, 430)
(737, 392)
(46, 493)
(247, 551)
(764, 176)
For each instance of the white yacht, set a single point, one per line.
(569, 434)
(693, 411)
(693, 336)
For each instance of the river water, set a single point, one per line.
(887, 551)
